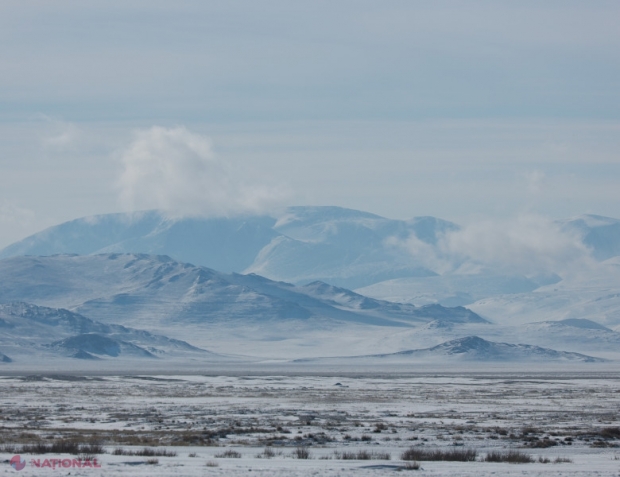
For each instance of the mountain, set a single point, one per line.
(344, 247)
(449, 289)
(29, 330)
(227, 244)
(86, 345)
(600, 234)
(287, 280)
(185, 301)
(577, 334)
(341, 246)
(470, 349)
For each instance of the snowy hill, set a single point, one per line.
(470, 349)
(577, 334)
(191, 303)
(28, 330)
(87, 345)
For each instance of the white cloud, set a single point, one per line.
(426, 255)
(176, 171)
(527, 245)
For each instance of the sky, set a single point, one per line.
(465, 110)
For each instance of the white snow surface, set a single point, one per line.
(328, 415)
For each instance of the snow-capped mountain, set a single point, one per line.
(340, 246)
(287, 281)
(226, 244)
(28, 330)
(191, 303)
(343, 247)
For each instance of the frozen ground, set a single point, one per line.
(201, 418)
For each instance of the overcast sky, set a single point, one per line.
(459, 109)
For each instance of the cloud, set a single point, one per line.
(527, 245)
(176, 171)
(425, 254)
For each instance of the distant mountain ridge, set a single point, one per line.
(284, 286)
(156, 292)
(470, 349)
(341, 246)
(344, 247)
(116, 307)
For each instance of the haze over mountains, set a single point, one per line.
(279, 287)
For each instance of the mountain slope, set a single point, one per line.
(342, 246)
(27, 329)
(600, 234)
(227, 244)
(470, 349)
(156, 292)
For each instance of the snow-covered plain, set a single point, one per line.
(199, 418)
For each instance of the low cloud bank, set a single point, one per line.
(175, 170)
(527, 245)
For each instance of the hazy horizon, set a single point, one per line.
(470, 112)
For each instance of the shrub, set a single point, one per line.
(456, 455)
(363, 455)
(149, 452)
(57, 447)
(301, 453)
(610, 432)
(92, 448)
(512, 457)
(230, 454)
(268, 453)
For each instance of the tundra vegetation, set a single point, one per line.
(412, 421)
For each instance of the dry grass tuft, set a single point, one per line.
(454, 455)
